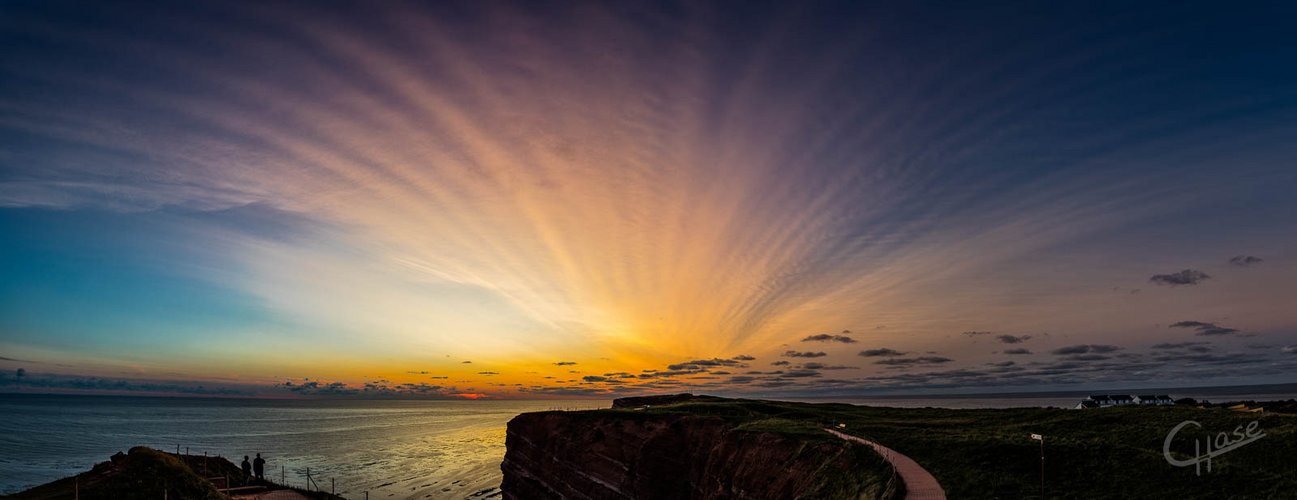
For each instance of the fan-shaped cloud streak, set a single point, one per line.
(516, 184)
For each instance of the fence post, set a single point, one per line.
(333, 486)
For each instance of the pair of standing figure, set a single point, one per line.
(257, 466)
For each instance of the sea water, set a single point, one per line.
(390, 449)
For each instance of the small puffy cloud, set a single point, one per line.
(488, 373)
(743, 357)
(564, 363)
(419, 389)
(466, 362)
(780, 363)
(1204, 328)
(1013, 339)
(1189, 346)
(1244, 260)
(619, 375)
(976, 333)
(882, 351)
(801, 374)
(648, 375)
(1087, 357)
(1290, 349)
(922, 360)
(702, 364)
(800, 354)
(822, 366)
(315, 388)
(1174, 345)
(825, 337)
(1085, 349)
(568, 391)
(1017, 351)
(1185, 277)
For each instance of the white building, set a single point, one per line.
(1108, 400)
(1150, 399)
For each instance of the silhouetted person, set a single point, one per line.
(259, 467)
(247, 470)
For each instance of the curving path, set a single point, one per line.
(273, 495)
(919, 483)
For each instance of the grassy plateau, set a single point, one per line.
(1093, 453)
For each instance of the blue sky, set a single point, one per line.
(264, 195)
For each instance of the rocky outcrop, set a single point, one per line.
(625, 454)
(142, 473)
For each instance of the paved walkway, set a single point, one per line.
(273, 495)
(919, 483)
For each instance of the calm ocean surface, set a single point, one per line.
(392, 449)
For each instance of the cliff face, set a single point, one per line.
(625, 454)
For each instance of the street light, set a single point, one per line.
(1041, 438)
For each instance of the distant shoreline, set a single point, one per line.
(1278, 389)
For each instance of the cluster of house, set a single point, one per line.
(1106, 400)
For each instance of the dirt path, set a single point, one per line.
(919, 483)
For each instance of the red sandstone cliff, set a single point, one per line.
(630, 455)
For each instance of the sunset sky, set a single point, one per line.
(545, 199)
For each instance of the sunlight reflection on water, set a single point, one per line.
(393, 449)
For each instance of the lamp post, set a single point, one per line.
(1041, 438)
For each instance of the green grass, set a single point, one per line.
(1101, 453)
